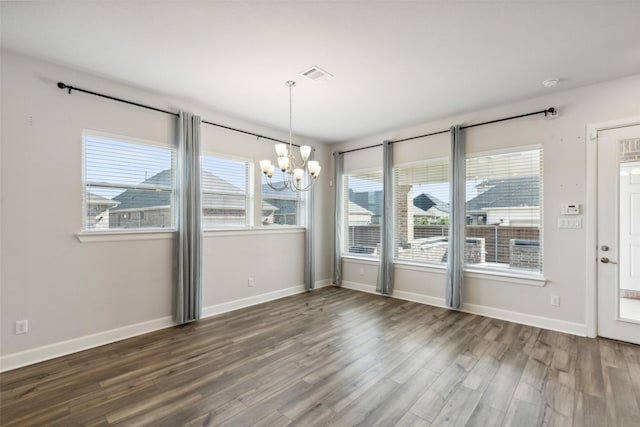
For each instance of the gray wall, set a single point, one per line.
(78, 294)
(563, 142)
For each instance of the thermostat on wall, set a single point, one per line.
(570, 209)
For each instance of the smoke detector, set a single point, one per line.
(316, 74)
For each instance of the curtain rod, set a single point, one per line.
(550, 110)
(171, 113)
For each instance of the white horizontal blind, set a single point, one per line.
(280, 207)
(226, 193)
(128, 185)
(504, 211)
(363, 209)
(422, 211)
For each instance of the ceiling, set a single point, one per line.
(396, 64)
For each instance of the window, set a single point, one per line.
(422, 211)
(226, 192)
(128, 184)
(280, 207)
(363, 208)
(503, 210)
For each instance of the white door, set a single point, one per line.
(619, 233)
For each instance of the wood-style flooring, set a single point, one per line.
(334, 357)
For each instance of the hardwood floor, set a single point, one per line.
(334, 357)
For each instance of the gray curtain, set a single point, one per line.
(309, 260)
(338, 218)
(385, 270)
(189, 281)
(457, 219)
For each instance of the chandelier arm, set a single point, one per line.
(285, 181)
(291, 176)
(305, 188)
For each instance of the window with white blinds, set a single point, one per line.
(504, 211)
(226, 192)
(128, 184)
(363, 209)
(422, 211)
(280, 207)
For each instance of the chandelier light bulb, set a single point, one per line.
(283, 163)
(305, 151)
(313, 166)
(281, 150)
(264, 165)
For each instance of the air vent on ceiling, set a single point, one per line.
(316, 74)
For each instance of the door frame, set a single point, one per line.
(591, 217)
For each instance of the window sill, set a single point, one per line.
(361, 260)
(474, 273)
(114, 236)
(504, 276)
(246, 231)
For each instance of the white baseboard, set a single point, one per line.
(213, 310)
(51, 351)
(482, 310)
(323, 283)
(359, 287)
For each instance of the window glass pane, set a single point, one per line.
(422, 211)
(363, 209)
(128, 185)
(503, 210)
(225, 192)
(280, 207)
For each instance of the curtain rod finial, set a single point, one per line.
(64, 86)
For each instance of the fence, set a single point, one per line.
(497, 239)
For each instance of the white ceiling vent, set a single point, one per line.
(316, 74)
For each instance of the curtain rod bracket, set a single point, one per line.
(64, 86)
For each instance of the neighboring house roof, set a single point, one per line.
(507, 192)
(432, 211)
(356, 209)
(369, 200)
(426, 201)
(139, 199)
(226, 196)
(273, 198)
(97, 200)
(268, 192)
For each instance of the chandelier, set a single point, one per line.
(292, 173)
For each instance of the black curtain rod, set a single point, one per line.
(148, 107)
(546, 112)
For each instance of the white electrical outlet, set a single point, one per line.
(22, 327)
(555, 300)
(251, 282)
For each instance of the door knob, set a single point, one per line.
(606, 260)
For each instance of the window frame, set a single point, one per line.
(249, 193)
(345, 213)
(416, 163)
(146, 231)
(300, 208)
(507, 271)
